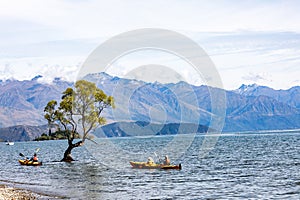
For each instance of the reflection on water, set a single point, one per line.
(239, 167)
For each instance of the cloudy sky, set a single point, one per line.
(248, 41)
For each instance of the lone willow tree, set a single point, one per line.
(78, 112)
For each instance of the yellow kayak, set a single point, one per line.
(29, 163)
(145, 165)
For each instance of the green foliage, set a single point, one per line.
(50, 111)
(79, 109)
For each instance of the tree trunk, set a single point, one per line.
(67, 155)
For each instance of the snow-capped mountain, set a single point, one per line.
(251, 107)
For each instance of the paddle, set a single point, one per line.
(159, 160)
(36, 151)
(23, 156)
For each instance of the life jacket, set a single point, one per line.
(35, 159)
(167, 161)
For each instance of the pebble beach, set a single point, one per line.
(10, 193)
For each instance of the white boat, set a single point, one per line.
(10, 143)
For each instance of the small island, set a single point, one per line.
(57, 135)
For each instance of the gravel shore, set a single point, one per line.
(9, 193)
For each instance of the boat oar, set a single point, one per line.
(37, 150)
(159, 160)
(23, 155)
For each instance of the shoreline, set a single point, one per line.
(8, 192)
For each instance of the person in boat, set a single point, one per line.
(150, 161)
(167, 160)
(34, 158)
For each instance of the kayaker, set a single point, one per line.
(34, 158)
(150, 161)
(167, 160)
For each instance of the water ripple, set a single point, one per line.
(240, 167)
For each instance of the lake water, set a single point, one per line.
(252, 166)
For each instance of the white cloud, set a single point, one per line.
(97, 18)
(242, 37)
(54, 71)
(27, 68)
(257, 77)
(170, 65)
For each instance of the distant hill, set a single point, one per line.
(251, 107)
(117, 129)
(23, 102)
(22, 133)
(139, 128)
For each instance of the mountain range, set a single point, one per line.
(22, 132)
(249, 108)
(23, 102)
